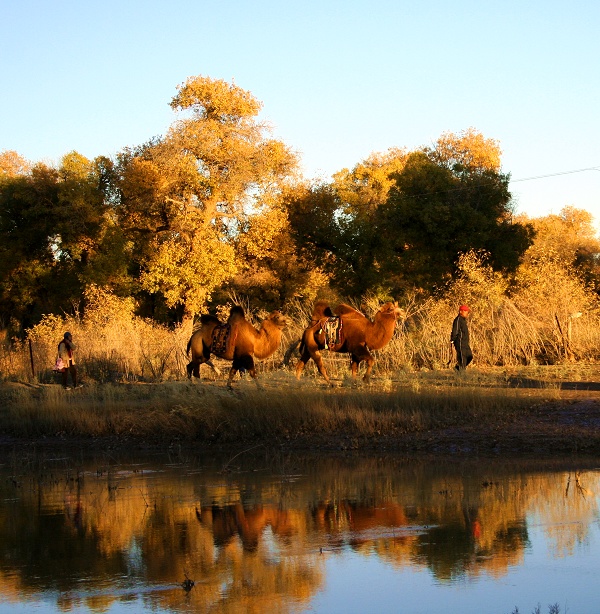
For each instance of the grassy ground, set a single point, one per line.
(529, 411)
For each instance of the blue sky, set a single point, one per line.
(338, 80)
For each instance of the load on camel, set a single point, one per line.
(236, 340)
(346, 330)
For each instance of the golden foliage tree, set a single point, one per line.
(570, 237)
(188, 197)
(12, 164)
(468, 150)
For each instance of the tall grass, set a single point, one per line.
(112, 345)
(280, 410)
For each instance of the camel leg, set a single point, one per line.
(370, 362)
(232, 373)
(216, 370)
(304, 358)
(316, 356)
(252, 373)
(357, 358)
(250, 366)
(241, 363)
(288, 354)
(193, 368)
(354, 364)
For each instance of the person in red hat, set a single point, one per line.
(459, 338)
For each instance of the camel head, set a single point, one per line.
(391, 308)
(278, 319)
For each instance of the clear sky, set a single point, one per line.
(338, 79)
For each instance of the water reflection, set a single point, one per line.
(193, 538)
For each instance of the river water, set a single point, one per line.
(273, 533)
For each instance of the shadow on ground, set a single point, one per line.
(524, 382)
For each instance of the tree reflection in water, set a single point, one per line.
(172, 538)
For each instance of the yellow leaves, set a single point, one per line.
(549, 290)
(264, 228)
(278, 160)
(49, 328)
(103, 307)
(477, 283)
(13, 165)
(469, 149)
(369, 182)
(188, 273)
(74, 166)
(215, 99)
(142, 180)
(563, 238)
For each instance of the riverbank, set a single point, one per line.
(533, 412)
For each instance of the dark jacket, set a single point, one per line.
(460, 333)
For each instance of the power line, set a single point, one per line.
(485, 183)
(580, 170)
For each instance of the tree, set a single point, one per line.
(13, 165)
(469, 151)
(568, 238)
(28, 205)
(52, 222)
(448, 200)
(339, 223)
(185, 198)
(400, 220)
(273, 269)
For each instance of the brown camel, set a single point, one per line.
(237, 340)
(346, 330)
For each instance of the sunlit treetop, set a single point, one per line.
(12, 164)
(215, 99)
(468, 150)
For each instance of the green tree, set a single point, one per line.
(51, 220)
(400, 220)
(28, 205)
(339, 224)
(448, 200)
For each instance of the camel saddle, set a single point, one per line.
(221, 338)
(334, 334)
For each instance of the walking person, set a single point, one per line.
(66, 349)
(459, 338)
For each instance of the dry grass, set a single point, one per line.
(280, 410)
(546, 316)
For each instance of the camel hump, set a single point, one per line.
(208, 319)
(236, 313)
(345, 310)
(321, 310)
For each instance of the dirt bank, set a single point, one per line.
(550, 430)
(566, 425)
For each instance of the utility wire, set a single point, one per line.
(581, 170)
(483, 184)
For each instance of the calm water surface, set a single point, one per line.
(292, 535)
